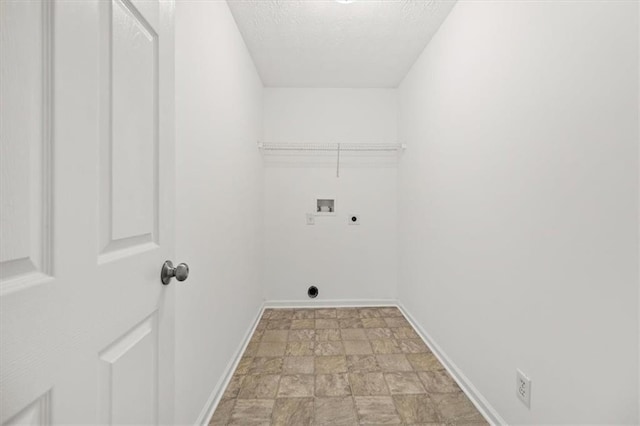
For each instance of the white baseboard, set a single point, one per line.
(481, 403)
(465, 384)
(218, 390)
(346, 303)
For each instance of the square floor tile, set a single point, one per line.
(262, 324)
(266, 365)
(413, 346)
(403, 333)
(281, 314)
(271, 349)
(292, 411)
(424, 362)
(373, 323)
(396, 322)
(369, 312)
(357, 347)
(257, 335)
(385, 346)
(259, 387)
(222, 415)
(379, 333)
(252, 349)
(252, 412)
(299, 349)
(244, 365)
(326, 323)
(304, 314)
(362, 364)
(328, 348)
(338, 411)
(368, 384)
(438, 381)
(353, 334)
(328, 334)
(298, 365)
(391, 363)
(326, 313)
(275, 335)
(455, 408)
(348, 313)
(404, 383)
(390, 311)
(330, 364)
(332, 385)
(278, 324)
(298, 324)
(233, 388)
(350, 323)
(376, 410)
(302, 335)
(416, 409)
(297, 385)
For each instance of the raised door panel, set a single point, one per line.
(128, 376)
(129, 136)
(25, 142)
(38, 413)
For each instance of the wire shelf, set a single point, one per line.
(338, 148)
(333, 147)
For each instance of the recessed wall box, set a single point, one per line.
(325, 206)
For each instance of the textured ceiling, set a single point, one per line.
(323, 43)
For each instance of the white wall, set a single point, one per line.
(219, 198)
(519, 204)
(344, 262)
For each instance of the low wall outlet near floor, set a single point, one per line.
(523, 388)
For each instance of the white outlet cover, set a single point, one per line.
(523, 388)
(311, 219)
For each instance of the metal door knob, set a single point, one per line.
(181, 272)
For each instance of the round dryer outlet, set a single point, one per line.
(312, 292)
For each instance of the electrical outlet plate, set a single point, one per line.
(311, 219)
(523, 388)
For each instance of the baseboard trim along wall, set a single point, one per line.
(481, 403)
(489, 413)
(219, 388)
(338, 303)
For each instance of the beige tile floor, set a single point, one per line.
(340, 366)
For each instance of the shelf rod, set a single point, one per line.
(331, 147)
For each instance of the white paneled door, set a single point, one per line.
(87, 184)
